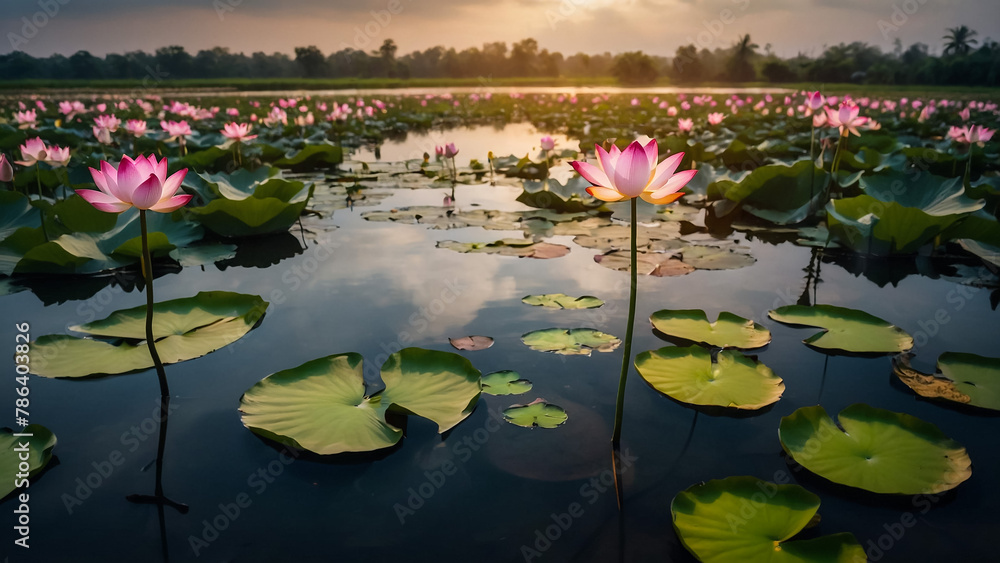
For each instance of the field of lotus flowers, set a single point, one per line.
(410, 319)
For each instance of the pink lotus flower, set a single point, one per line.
(819, 119)
(450, 151)
(6, 170)
(815, 100)
(965, 114)
(71, 109)
(136, 127)
(623, 175)
(176, 129)
(33, 151)
(438, 150)
(109, 122)
(685, 124)
(26, 119)
(715, 118)
(141, 183)
(846, 118)
(969, 134)
(547, 143)
(238, 132)
(57, 157)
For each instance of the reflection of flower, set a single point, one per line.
(141, 183)
(6, 170)
(622, 175)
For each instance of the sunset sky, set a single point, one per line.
(568, 26)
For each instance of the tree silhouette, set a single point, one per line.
(739, 67)
(959, 40)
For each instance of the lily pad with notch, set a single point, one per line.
(536, 414)
(847, 330)
(729, 331)
(966, 379)
(688, 375)
(713, 524)
(562, 301)
(570, 341)
(875, 450)
(505, 382)
(323, 405)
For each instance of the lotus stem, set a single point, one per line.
(836, 162)
(812, 166)
(147, 274)
(626, 358)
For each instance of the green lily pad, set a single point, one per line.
(961, 378)
(562, 301)
(749, 520)
(729, 331)
(203, 254)
(849, 330)
(40, 446)
(537, 413)
(934, 195)
(322, 406)
(869, 226)
(313, 156)
(251, 216)
(505, 382)
(878, 450)
(781, 193)
(688, 375)
(570, 341)
(184, 329)
(522, 248)
(16, 211)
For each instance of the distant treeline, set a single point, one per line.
(963, 61)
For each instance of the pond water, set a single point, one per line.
(372, 287)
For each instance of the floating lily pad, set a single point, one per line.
(729, 331)
(322, 406)
(537, 413)
(505, 382)
(781, 193)
(471, 342)
(849, 330)
(878, 450)
(562, 301)
(716, 258)
(253, 216)
(647, 263)
(688, 375)
(40, 446)
(869, 226)
(570, 341)
(184, 329)
(203, 254)
(961, 378)
(522, 248)
(749, 520)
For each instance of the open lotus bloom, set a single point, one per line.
(625, 174)
(57, 156)
(846, 118)
(136, 127)
(33, 151)
(141, 183)
(238, 132)
(176, 129)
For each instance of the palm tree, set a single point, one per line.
(740, 68)
(959, 40)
